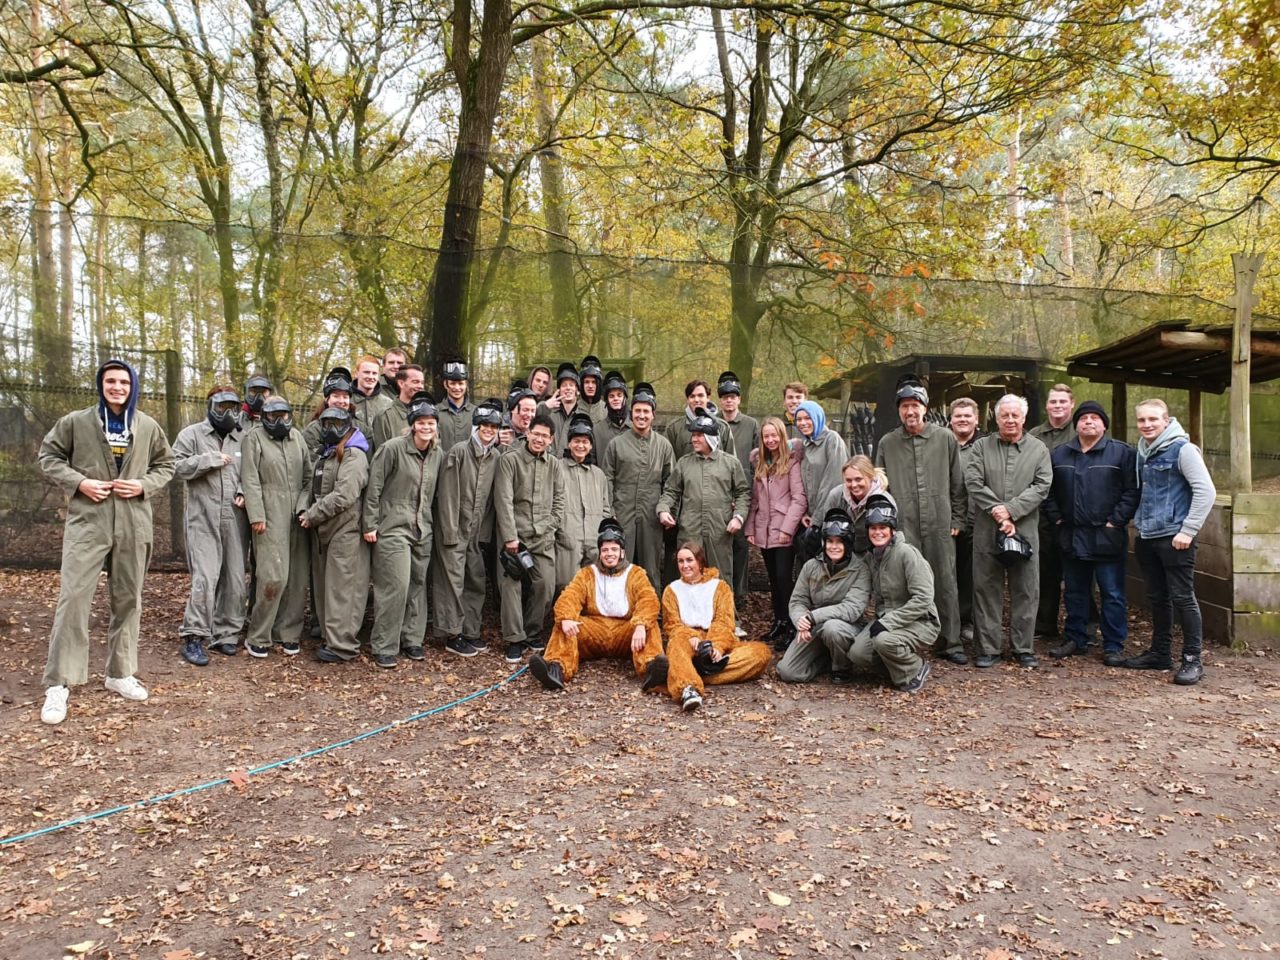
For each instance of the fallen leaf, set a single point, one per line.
(767, 924)
(239, 779)
(784, 836)
(778, 899)
(743, 937)
(628, 918)
(83, 947)
(446, 882)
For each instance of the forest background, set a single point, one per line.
(785, 189)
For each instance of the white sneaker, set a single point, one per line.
(127, 687)
(55, 705)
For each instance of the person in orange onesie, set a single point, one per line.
(608, 610)
(698, 613)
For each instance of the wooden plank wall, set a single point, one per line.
(1214, 575)
(1255, 527)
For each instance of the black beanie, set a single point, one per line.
(1091, 406)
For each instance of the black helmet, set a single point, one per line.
(610, 531)
(256, 389)
(729, 383)
(338, 379)
(518, 565)
(567, 371)
(702, 422)
(334, 424)
(277, 417)
(838, 524)
(490, 412)
(613, 380)
(881, 509)
(224, 411)
(645, 394)
(581, 425)
(455, 369)
(421, 405)
(913, 390)
(519, 390)
(1012, 548)
(591, 367)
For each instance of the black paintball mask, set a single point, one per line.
(224, 412)
(277, 418)
(256, 390)
(518, 565)
(1012, 549)
(334, 424)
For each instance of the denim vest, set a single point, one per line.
(1166, 495)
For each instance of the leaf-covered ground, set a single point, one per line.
(1073, 811)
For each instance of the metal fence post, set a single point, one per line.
(172, 424)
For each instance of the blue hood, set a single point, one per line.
(130, 406)
(355, 441)
(817, 415)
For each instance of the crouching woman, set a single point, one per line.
(906, 616)
(698, 615)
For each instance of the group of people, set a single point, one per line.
(566, 498)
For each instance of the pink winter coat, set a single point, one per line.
(777, 504)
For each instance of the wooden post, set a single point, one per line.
(173, 423)
(1246, 270)
(1120, 412)
(1194, 409)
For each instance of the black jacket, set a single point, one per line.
(1089, 491)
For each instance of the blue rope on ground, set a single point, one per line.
(221, 781)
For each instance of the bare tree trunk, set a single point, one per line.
(143, 344)
(268, 306)
(44, 291)
(564, 304)
(480, 81)
(100, 312)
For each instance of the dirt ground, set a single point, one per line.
(1072, 811)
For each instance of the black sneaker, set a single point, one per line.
(1113, 658)
(690, 700)
(414, 653)
(386, 661)
(1190, 672)
(325, 655)
(915, 684)
(228, 649)
(256, 651)
(460, 647)
(984, 660)
(1027, 660)
(1067, 648)
(291, 648)
(479, 646)
(655, 675)
(514, 653)
(1150, 660)
(841, 678)
(958, 657)
(536, 644)
(546, 672)
(193, 652)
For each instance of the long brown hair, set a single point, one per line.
(767, 466)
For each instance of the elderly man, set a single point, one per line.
(922, 461)
(1093, 498)
(111, 460)
(1008, 478)
(608, 611)
(707, 496)
(1056, 430)
(964, 427)
(637, 465)
(1177, 494)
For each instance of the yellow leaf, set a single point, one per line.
(743, 937)
(778, 899)
(628, 918)
(83, 947)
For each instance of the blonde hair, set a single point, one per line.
(767, 466)
(1156, 404)
(862, 464)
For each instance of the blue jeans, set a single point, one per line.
(1171, 588)
(1079, 577)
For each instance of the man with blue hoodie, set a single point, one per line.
(111, 460)
(1177, 494)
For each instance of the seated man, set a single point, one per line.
(697, 611)
(827, 606)
(609, 609)
(906, 622)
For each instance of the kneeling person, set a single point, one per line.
(609, 610)
(827, 604)
(906, 620)
(698, 613)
